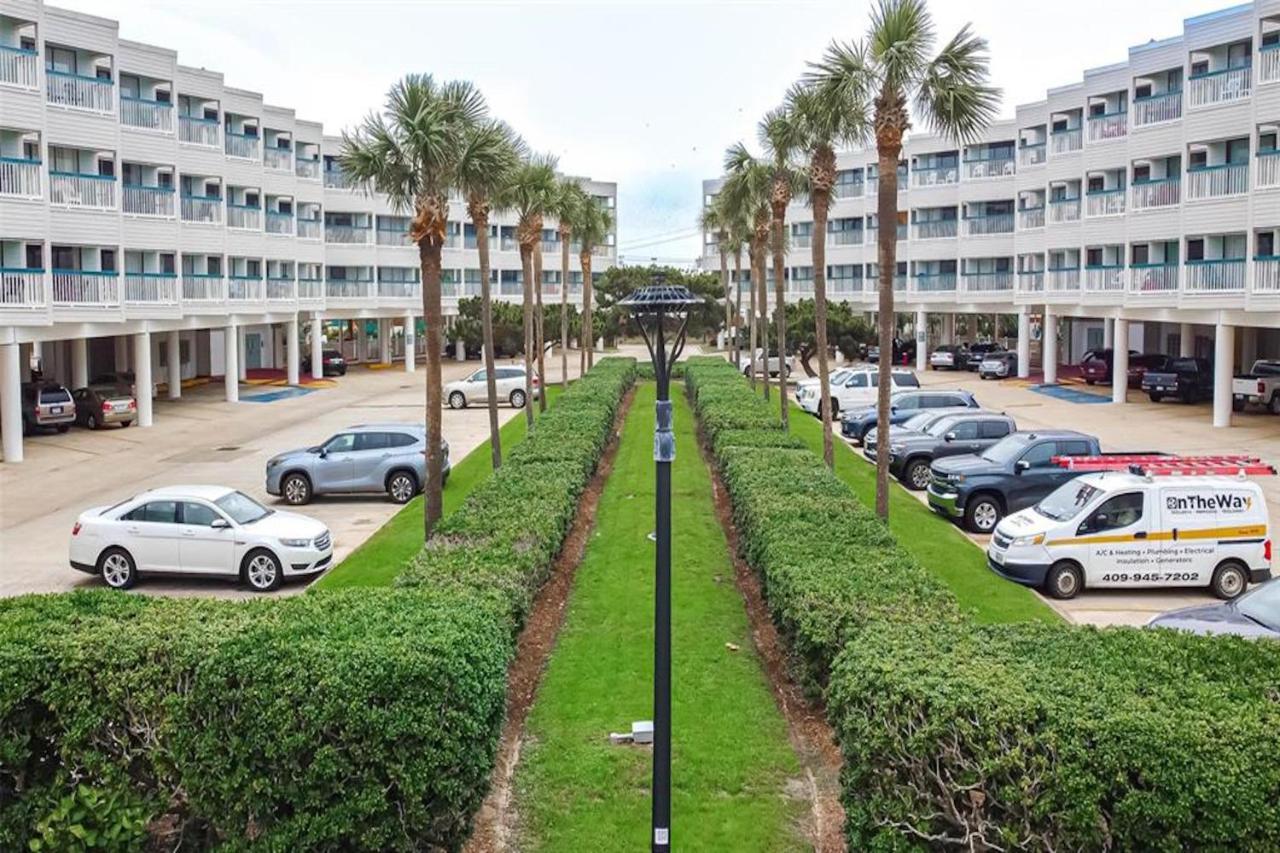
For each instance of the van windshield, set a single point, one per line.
(1263, 605)
(1068, 501)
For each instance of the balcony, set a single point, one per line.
(1064, 210)
(1157, 109)
(203, 288)
(310, 229)
(345, 288)
(602, 250)
(854, 189)
(1065, 141)
(348, 234)
(242, 146)
(1104, 203)
(851, 237)
(937, 229)
(21, 289)
(280, 159)
(987, 224)
(1030, 281)
(281, 289)
(934, 282)
(1108, 126)
(141, 200)
(988, 282)
(1222, 275)
(798, 241)
(20, 178)
(85, 289)
(146, 115)
(405, 289)
(336, 179)
(244, 217)
(1104, 278)
(989, 166)
(1030, 218)
(308, 170)
(1266, 275)
(1153, 278)
(1155, 193)
(194, 130)
(279, 223)
(1219, 87)
(934, 176)
(310, 289)
(79, 93)
(1228, 179)
(1063, 279)
(1031, 154)
(19, 67)
(202, 208)
(245, 288)
(77, 189)
(1268, 63)
(150, 288)
(1268, 174)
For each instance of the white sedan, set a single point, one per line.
(208, 531)
(508, 384)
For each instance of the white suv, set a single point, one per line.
(857, 390)
(508, 382)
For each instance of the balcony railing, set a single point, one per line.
(1227, 179)
(1266, 274)
(280, 289)
(990, 166)
(244, 216)
(308, 170)
(310, 288)
(1153, 278)
(1224, 275)
(934, 282)
(194, 130)
(151, 288)
(844, 285)
(202, 208)
(203, 288)
(1031, 154)
(937, 229)
(602, 250)
(336, 179)
(76, 189)
(1158, 192)
(393, 237)
(849, 237)
(1104, 278)
(277, 158)
(1064, 210)
(142, 200)
(1108, 126)
(798, 241)
(1030, 218)
(79, 92)
(1030, 281)
(401, 289)
(1268, 174)
(854, 189)
(245, 288)
(20, 177)
(309, 229)
(987, 282)
(345, 288)
(1065, 141)
(1063, 279)
(351, 234)
(1104, 202)
(242, 146)
(19, 67)
(1157, 109)
(21, 288)
(1219, 87)
(873, 234)
(145, 114)
(86, 288)
(1268, 63)
(279, 223)
(935, 176)
(984, 224)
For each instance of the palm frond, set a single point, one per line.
(954, 97)
(491, 151)
(899, 41)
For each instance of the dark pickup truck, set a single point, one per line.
(1188, 379)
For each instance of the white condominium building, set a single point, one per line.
(1137, 209)
(150, 214)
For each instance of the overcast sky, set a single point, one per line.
(645, 94)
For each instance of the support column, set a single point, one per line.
(1024, 344)
(1186, 341)
(459, 350)
(142, 376)
(79, 363)
(1109, 333)
(948, 328)
(922, 339)
(384, 341)
(1120, 361)
(292, 355)
(362, 342)
(317, 346)
(231, 367)
(1224, 351)
(1049, 347)
(11, 402)
(242, 366)
(173, 355)
(409, 342)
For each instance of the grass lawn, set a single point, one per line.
(731, 756)
(380, 558)
(936, 542)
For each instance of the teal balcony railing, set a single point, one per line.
(1156, 192)
(195, 130)
(1104, 278)
(151, 288)
(1104, 202)
(20, 177)
(934, 282)
(22, 289)
(1156, 109)
(1105, 127)
(144, 200)
(80, 189)
(1226, 179)
(203, 288)
(1219, 87)
(86, 288)
(1221, 275)
(19, 67)
(79, 92)
(146, 114)
(988, 281)
(1155, 278)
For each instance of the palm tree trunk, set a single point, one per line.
(889, 145)
(429, 257)
(481, 222)
(724, 282)
(526, 262)
(779, 310)
(821, 200)
(751, 317)
(588, 318)
(737, 306)
(762, 303)
(539, 321)
(564, 310)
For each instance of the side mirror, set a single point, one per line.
(951, 436)
(322, 453)
(1021, 465)
(220, 524)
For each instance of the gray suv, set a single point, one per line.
(912, 453)
(387, 458)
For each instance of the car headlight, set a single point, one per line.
(955, 478)
(1037, 539)
(295, 543)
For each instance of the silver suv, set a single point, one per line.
(387, 458)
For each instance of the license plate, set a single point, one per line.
(1161, 388)
(997, 557)
(119, 407)
(55, 410)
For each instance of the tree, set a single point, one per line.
(410, 154)
(490, 155)
(591, 227)
(846, 328)
(570, 197)
(705, 319)
(736, 238)
(746, 190)
(880, 75)
(713, 219)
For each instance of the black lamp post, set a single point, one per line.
(654, 307)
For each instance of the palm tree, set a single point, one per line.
(881, 75)
(410, 154)
(824, 119)
(747, 187)
(490, 155)
(591, 228)
(531, 193)
(736, 231)
(712, 218)
(570, 197)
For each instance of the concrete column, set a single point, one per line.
(384, 341)
(409, 342)
(142, 378)
(1120, 361)
(79, 363)
(292, 354)
(231, 368)
(122, 353)
(459, 351)
(1049, 347)
(948, 328)
(1224, 351)
(1109, 333)
(1024, 344)
(1186, 341)
(922, 338)
(1248, 346)
(317, 346)
(173, 355)
(11, 402)
(362, 343)
(242, 366)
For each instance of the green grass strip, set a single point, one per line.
(381, 557)
(939, 546)
(731, 756)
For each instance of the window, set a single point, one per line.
(198, 514)
(509, 372)
(954, 400)
(373, 441)
(1266, 142)
(35, 256)
(904, 380)
(480, 376)
(60, 59)
(1141, 174)
(964, 430)
(1074, 448)
(1237, 151)
(1115, 513)
(908, 404)
(993, 429)
(401, 439)
(156, 512)
(859, 380)
(343, 442)
(1142, 90)
(108, 259)
(1265, 244)
(1195, 250)
(1141, 253)
(1040, 456)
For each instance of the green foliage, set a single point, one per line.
(508, 325)
(847, 330)
(619, 282)
(92, 819)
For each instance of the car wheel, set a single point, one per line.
(1063, 581)
(296, 489)
(402, 486)
(1230, 580)
(1155, 398)
(262, 571)
(117, 568)
(1274, 406)
(982, 514)
(91, 421)
(1237, 404)
(918, 475)
(457, 400)
(517, 399)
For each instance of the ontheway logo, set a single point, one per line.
(1223, 502)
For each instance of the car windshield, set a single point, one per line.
(242, 508)
(918, 422)
(941, 427)
(1006, 450)
(1068, 501)
(1262, 605)
(906, 380)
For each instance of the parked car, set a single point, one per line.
(904, 351)
(123, 379)
(977, 352)
(1188, 379)
(776, 364)
(1095, 367)
(911, 455)
(46, 405)
(918, 422)
(508, 383)
(834, 378)
(949, 357)
(207, 531)
(1140, 365)
(1260, 386)
(856, 423)
(100, 405)
(998, 365)
(387, 458)
(1254, 615)
(859, 390)
(331, 363)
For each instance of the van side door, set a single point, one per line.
(1113, 543)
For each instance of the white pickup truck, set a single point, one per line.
(775, 365)
(1261, 385)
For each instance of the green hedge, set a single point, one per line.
(364, 719)
(1025, 736)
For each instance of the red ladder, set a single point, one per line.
(1166, 466)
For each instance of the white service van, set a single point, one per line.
(1119, 529)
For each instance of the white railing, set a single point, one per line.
(1268, 174)
(1268, 64)
(19, 67)
(21, 289)
(1216, 276)
(1109, 126)
(307, 169)
(1064, 210)
(145, 288)
(1032, 154)
(1031, 281)
(310, 288)
(1030, 217)
(1104, 203)
(280, 290)
(798, 241)
(404, 289)
(1266, 273)
(1063, 280)
(241, 146)
(77, 92)
(937, 229)
(852, 190)
(92, 289)
(989, 223)
(147, 115)
(392, 237)
(277, 158)
(933, 282)
(1219, 87)
(935, 176)
(279, 223)
(1162, 192)
(247, 218)
(357, 234)
(20, 177)
(310, 229)
(1153, 278)
(345, 288)
(138, 200)
(989, 167)
(336, 179)
(987, 282)
(849, 237)
(74, 189)
(245, 288)
(194, 130)
(602, 250)
(203, 287)
(1065, 141)
(1218, 181)
(199, 208)
(1156, 109)
(1105, 278)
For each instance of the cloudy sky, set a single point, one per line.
(647, 94)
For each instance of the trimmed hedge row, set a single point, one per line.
(362, 719)
(1027, 736)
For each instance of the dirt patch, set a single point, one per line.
(811, 737)
(495, 824)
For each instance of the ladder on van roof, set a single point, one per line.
(1169, 466)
